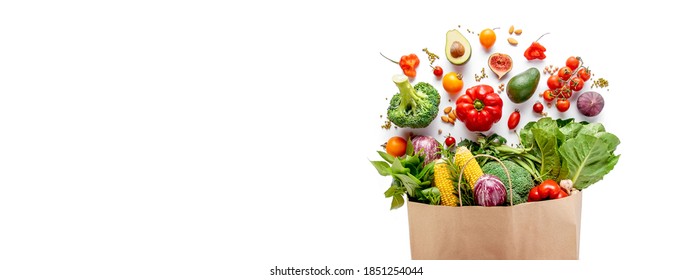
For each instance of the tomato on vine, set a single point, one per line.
(549, 95)
(584, 74)
(573, 62)
(564, 73)
(576, 83)
(554, 82)
(562, 105)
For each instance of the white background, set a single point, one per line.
(208, 140)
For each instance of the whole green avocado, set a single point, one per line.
(521, 87)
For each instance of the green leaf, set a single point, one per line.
(562, 123)
(409, 184)
(387, 157)
(382, 167)
(526, 136)
(391, 191)
(592, 129)
(586, 159)
(397, 202)
(397, 167)
(571, 130)
(610, 139)
(410, 147)
(547, 149)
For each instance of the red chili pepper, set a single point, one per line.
(408, 63)
(535, 50)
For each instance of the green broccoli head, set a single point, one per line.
(415, 106)
(521, 179)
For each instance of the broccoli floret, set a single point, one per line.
(521, 179)
(415, 106)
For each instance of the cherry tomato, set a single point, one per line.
(438, 71)
(452, 82)
(573, 62)
(538, 107)
(576, 83)
(585, 74)
(487, 38)
(561, 194)
(554, 82)
(549, 189)
(564, 73)
(514, 119)
(396, 146)
(533, 195)
(549, 95)
(562, 105)
(565, 91)
(450, 141)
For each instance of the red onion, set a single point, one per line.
(489, 191)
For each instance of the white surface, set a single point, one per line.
(205, 140)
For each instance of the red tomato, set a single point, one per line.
(533, 195)
(549, 95)
(450, 141)
(396, 146)
(538, 107)
(562, 105)
(585, 74)
(514, 119)
(554, 82)
(576, 83)
(561, 194)
(564, 73)
(565, 91)
(548, 189)
(437, 71)
(573, 62)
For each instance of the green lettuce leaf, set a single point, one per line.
(587, 158)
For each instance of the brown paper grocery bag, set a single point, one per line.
(534, 230)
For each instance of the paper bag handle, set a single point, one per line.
(459, 180)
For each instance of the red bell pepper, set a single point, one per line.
(479, 108)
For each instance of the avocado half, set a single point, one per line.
(457, 47)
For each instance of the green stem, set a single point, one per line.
(395, 62)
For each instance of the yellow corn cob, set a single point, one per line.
(441, 179)
(472, 171)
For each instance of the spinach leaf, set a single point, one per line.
(547, 151)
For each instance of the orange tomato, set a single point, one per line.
(396, 146)
(452, 82)
(487, 38)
